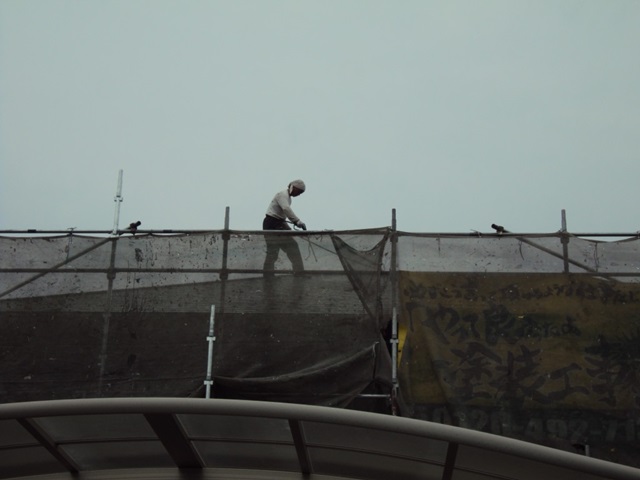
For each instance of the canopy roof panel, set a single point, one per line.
(202, 438)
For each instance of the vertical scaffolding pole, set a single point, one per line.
(225, 253)
(394, 317)
(111, 275)
(565, 241)
(210, 338)
(106, 315)
(394, 350)
(223, 276)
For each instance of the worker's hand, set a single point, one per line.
(301, 225)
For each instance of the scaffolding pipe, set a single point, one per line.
(394, 350)
(210, 338)
(170, 231)
(224, 273)
(106, 315)
(394, 302)
(565, 241)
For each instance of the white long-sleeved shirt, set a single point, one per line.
(280, 207)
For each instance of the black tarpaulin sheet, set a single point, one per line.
(363, 270)
(330, 383)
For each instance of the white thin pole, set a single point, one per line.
(210, 338)
(118, 200)
(394, 349)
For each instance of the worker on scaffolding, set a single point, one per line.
(279, 214)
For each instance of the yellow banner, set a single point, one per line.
(519, 342)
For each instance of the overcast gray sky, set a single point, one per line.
(456, 113)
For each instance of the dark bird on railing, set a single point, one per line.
(498, 228)
(132, 228)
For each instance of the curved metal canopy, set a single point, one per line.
(172, 438)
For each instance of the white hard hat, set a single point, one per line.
(299, 184)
